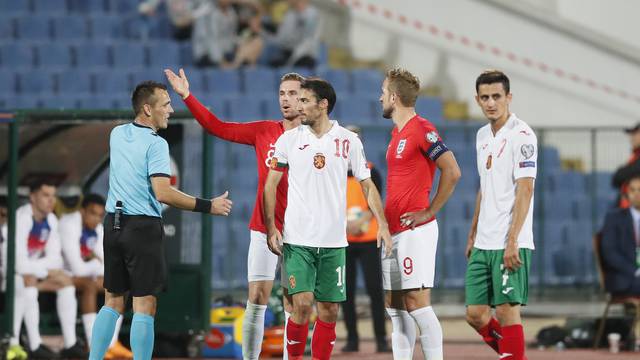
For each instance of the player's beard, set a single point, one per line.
(387, 113)
(307, 121)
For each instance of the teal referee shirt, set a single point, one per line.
(137, 153)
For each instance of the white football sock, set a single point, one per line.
(32, 317)
(252, 331)
(18, 310)
(87, 322)
(67, 306)
(430, 332)
(403, 335)
(285, 353)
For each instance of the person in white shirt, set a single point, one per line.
(81, 235)
(501, 237)
(39, 262)
(318, 155)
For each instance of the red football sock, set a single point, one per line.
(491, 333)
(296, 339)
(512, 343)
(324, 337)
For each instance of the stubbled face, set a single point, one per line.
(161, 109)
(493, 101)
(387, 100)
(92, 215)
(43, 200)
(633, 193)
(311, 111)
(288, 99)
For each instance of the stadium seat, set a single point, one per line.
(186, 53)
(7, 82)
(112, 82)
(123, 7)
(454, 242)
(160, 27)
(17, 56)
(165, 54)
(217, 105)
(129, 55)
(74, 82)
(53, 56)
(70, 28)
(196, 76)
(36, 82)
(87, 6)
(339, 79)
(34, 27)
(13, 7)
(59, 102)
(96, 102)
(259, 81)
(6, 28)
(50, 7)
(245, 109)
(549, 158)
(360, 110)
(106, 27)
(430, 108)
(148, 74)
(367, 81)
(223, 82)
(90, 55)
(272, 108)
(25, 102)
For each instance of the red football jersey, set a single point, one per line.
(411, 167)
(262, 135)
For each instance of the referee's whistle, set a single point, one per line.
(117, 215)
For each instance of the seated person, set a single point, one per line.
(39, 262)
(620, 245)
(81, 235)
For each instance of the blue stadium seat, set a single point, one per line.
(453, 243)
(17, 55)
(430, 108)
(186, 53)
(50, 7)
(306, 72)
(13, 7)
(112, 82)
(549, 158)
(196, 77)
(339, 79)
(272, 110)
(99, 102)
(36, 82)
(148, 74)
(367, 81)
(53, 56)
(6, 28)
(7, 82)
(34, 27)
(160, 27)
(87, 6)
(107, 27)
(259, 81)
(59, 102)
(124, 7)
(603, 183)
(25, 102)
(70, 28)
(129, 55)
(165, 54)
(74, 81)
(245, 109)
(360, 110)
(455, 210)
(89, 55)
(223, 82)
(218, 106)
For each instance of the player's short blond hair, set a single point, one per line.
(404, 84)
(292, 76)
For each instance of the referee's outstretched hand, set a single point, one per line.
(221, 205)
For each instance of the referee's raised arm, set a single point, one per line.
(139, 181)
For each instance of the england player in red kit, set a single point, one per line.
(415, 151)
(262, 135)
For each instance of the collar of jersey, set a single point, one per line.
(334, 127)
(143, 126)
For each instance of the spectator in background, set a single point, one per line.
(180, 13)
(297, 41)
(631, 169)
(362, 229)
(620, 245)
(81, 235)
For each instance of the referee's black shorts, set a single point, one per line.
(134, 258)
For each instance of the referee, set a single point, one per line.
(139, 174)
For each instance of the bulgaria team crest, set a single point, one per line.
(319, 161)
(292, 282)
(273, 163)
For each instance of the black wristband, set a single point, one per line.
(202, 205)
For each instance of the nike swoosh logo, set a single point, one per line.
(505, 355)
(303, 146)
(292, 342)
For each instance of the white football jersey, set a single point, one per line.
(317, 195)
(502, 159)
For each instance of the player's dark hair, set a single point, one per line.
(492, 76)
(92, 199)
(321, 89)
(37, 184)
(292, 76)
(404, 84)
(144, 94)
(4, 201)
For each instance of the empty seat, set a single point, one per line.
(36, 82)
(16, 55)
(430, 108)
(53, 56)
(87, 6)
(74, 82)
(148, 74)
(123, 7)
(217, 105)
(34, 27)
(7, 82)
(129, 54)
(50, 7)
(91, 55)
(6, 28)
(196, 77)
(112, 82)
(549, 158)
(360, 110)
(245, 109)
(59, 102)
(16, 7)
(105, 27)
(260, 81)
(367, 81)
(223, 81)
(272, 109)
(339, 79)
(70, 28)
(165, 54)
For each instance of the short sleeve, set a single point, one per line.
(358, 160)
(280, 159)
(158, 163)
(432, 144)
(525, 154)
